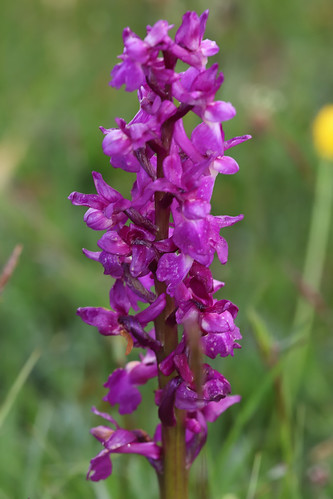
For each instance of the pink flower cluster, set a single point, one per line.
(175, 176)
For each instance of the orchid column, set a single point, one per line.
(158, 247)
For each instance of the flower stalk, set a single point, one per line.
(174, 481)
(316, 249)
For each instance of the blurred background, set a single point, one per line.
(56, 56)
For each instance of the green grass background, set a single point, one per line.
(56, 56)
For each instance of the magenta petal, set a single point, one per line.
(193, 425)
(226, 220)
(223, 305)
(105, 320)
(118, 439)
(126, 162)
(163, 185)
(222, 250)
(196, 208)
(141, 373)
(226, 165)
(204, 139)
(93, 255)
(105, 190)
(213, 410)
(195, 441)
(158, 33)
(173, 169)
(192, 237)
(151, 312)
(189, 33)
(188, 399)
(96, 220)
(209, 47)
(207, 82)
(184, 85)
(167, 365)
(173, 268)
(165, 245)
(147, 449)
(139, 134)
(219, 111)
(217, 323)
(105, 415)
(201, 282)
(182, 295)
(141, 258)
(129, 74)
(112, 264)
(236, 140)
(158, 433)
(203, 21)
(136, 49)
(215, 389)
(122, 392)
(100, 466)
(185, 143)
(119, 298)
(116, 142)
(166, 408)
(217, 344)
(183, 368)
(113, 243)
(91, 200)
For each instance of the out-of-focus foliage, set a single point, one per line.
(56, 56)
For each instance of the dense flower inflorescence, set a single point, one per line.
(158, 245)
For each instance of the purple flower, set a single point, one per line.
(189, 46)
(141, 57)
(106, 209)
(119, 441)
(198, 88)
(214, 409)
(181, 392)
(122, 383)
(159, 244)
(214, 388)
(112, 323)
(173, 268)
(216, 322)
(214, 149)
(222, 333)
(123, 144)
(201, 238)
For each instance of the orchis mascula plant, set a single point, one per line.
(158, 247)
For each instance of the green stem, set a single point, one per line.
(312, 275)
(173, 482)
(317, 243)
(271, 358)
(304, 317)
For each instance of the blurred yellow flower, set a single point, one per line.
(323, 132)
